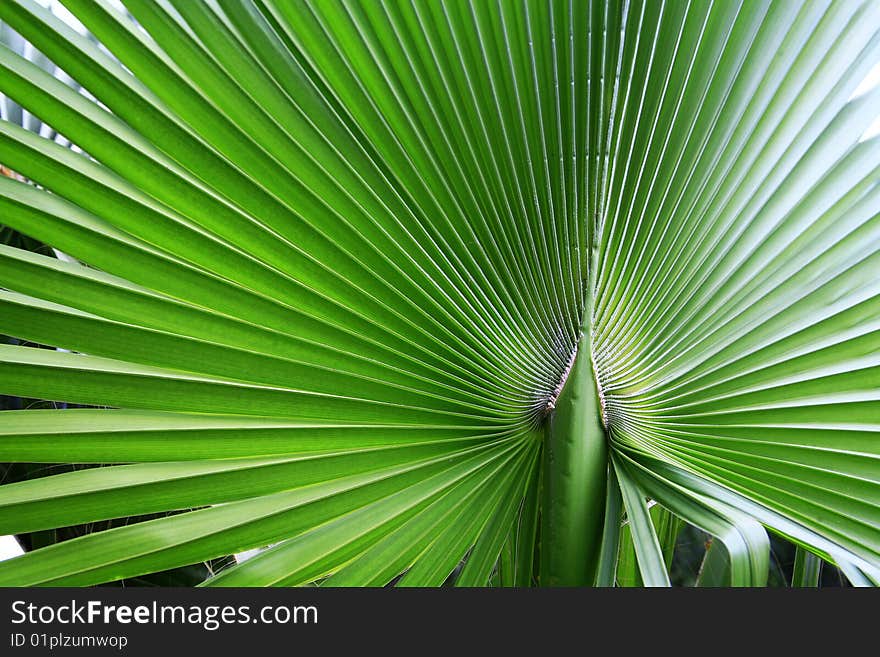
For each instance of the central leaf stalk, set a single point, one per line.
(575, 476)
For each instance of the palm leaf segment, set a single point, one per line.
(390, 285)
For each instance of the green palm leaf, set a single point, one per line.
(405, 290)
